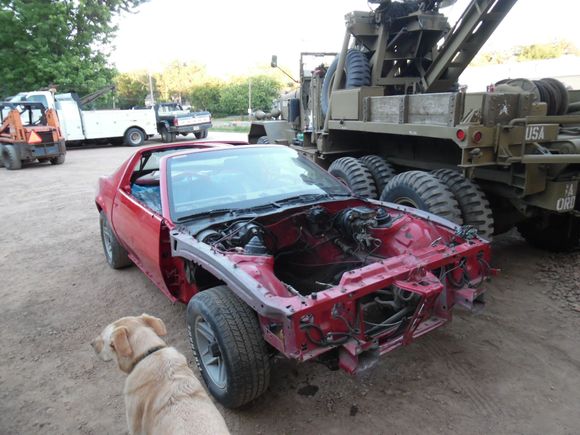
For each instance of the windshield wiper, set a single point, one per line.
(208, 213)
(311, 197)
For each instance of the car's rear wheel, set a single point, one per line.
(424, 191)
(228, 346)
(115, 254)
(134, 137)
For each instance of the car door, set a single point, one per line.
(139, 230)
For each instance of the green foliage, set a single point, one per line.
(132, 88)
(178, 78)
(206, 96)
(57, 42)
(234, 96)
(526, 53)
(545, 51)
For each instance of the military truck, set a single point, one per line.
(388, 117)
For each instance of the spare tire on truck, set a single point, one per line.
(357, 73)
(424, 191)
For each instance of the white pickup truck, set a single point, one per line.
(129, 127)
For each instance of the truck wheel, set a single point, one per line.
(554, 232)
(357, 73)
(381, 171)
(115, 254)
(59, 160)
(166, 136)
(200, 134)
(355, 175)
(474, 206)
(263, 140)
(228, 346)
(134, 137)
(10, 158)
(424, 191)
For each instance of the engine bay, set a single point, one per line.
(313, 248)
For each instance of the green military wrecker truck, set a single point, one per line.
(387, 116)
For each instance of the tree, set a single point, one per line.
(132, 88)
(206, 96)
(178, 79)
(57, 42)
(234, 98)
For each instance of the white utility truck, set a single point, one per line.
(129, 127)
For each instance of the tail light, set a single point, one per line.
(175, 122)
(477, 136)
(460, 135)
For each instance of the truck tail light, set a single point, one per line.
(460, 135)
(477, 136)
(175, 122)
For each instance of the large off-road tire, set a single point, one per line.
(10, 158)
(554, 232)
(115, 254)
(474, 206)
(381, 171)
(134, 137)
(357, 73)
(263, 140)
(202, 134)
(228, 346)
(355, 175)
(424, 191)
(58, 160)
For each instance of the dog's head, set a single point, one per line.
(128, 338)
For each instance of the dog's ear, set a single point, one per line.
(120, 342)
(155, 323)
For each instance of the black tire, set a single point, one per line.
(357, 73)
(115, 254)
(240, 346)
(564, 98)
(474, 206)
(202, 134)
(58, 160)
(166, 136)
(134, 137)
(554, 232)
(10, 158)
(423, 191)
(355, 175)
(263, 140)
(381, 171)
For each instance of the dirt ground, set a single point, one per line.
(513, 369)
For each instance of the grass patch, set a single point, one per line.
(231, 128)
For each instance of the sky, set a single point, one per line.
(234, 37)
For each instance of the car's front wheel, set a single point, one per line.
(228, 346)
(115, 254)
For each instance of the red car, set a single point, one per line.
(275, 256)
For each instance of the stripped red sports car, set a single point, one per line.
(275, 256)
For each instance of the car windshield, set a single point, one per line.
(244, 178)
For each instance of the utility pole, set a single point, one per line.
(151, 89)
(249, 98)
